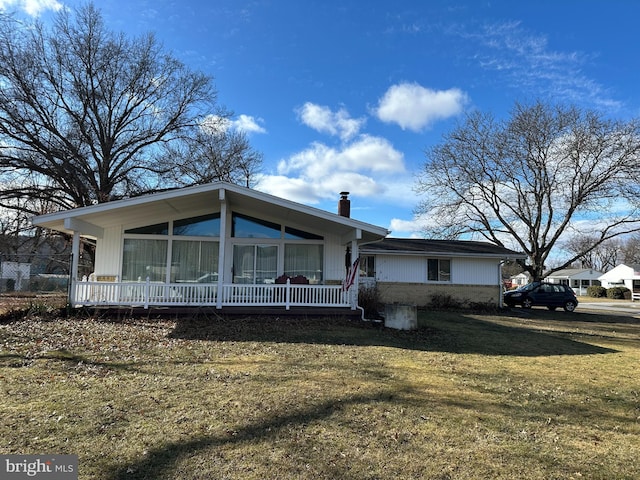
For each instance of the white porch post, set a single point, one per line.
(221, 247)
(75, 261)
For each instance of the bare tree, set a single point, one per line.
(545, 172)
(214, 152)
(602, 257)
(84, 111)
(631, 250)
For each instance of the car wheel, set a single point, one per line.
(569, 306)
(527, 303)
(551, 308)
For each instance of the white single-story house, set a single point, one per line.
(623, 276)
(413, 271)
(222, 245)
(579, 279)
(520, 280)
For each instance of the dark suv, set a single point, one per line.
(550, 295)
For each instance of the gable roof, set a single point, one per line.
(633, 268)
(196, 200)
(458, 248)
(573, 272)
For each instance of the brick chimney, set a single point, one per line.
(344, 205)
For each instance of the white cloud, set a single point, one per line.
(213, 124)
(295, 189)
(245, 123)
(413, 228)
(415, 107)
(320, 171)
(305, 190)
(248, 124)
(367, 153)
(31, 7)
(526, 61)
(323, 120)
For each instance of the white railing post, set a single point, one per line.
(147, 289)
(287, 295)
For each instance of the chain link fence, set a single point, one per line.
(34, 273)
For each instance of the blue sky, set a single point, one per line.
(347, 95)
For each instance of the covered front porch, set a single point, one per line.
(89, 292)
(215, 246)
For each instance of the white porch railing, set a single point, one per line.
(146, 294)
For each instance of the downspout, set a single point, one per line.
(358, 306)
(501, 283)
(355, 253)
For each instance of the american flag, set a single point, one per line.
(351, 276)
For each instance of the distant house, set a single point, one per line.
(520, 280)
(415, 270)
(623, 276)
(579, 279)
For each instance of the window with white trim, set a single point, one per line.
(262, 250)
(438, 270)
(183, 250)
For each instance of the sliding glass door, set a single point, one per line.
(255, 263)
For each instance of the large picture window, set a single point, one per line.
(203, 226)
(194, 261)
(438, 270)
(144, 258)
(188, 249)
(189, 245)
(243, 226)
(303, 260)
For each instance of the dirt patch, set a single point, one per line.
(16, 301)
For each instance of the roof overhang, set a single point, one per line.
(443, 249)
(451, 253)
(91, 221)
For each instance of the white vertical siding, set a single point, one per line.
(109, 252)
(334, 255)
(413, 269)
(475, 271)
(401, 268)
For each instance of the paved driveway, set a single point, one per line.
(630, 308)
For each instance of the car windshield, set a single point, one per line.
(529, 287)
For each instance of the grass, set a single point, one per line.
(526, 394)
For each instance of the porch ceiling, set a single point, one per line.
(193, 201)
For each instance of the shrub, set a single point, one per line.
(443, 301)
(617, 293)
(484, 307)
(596, 291)
(369, 299)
